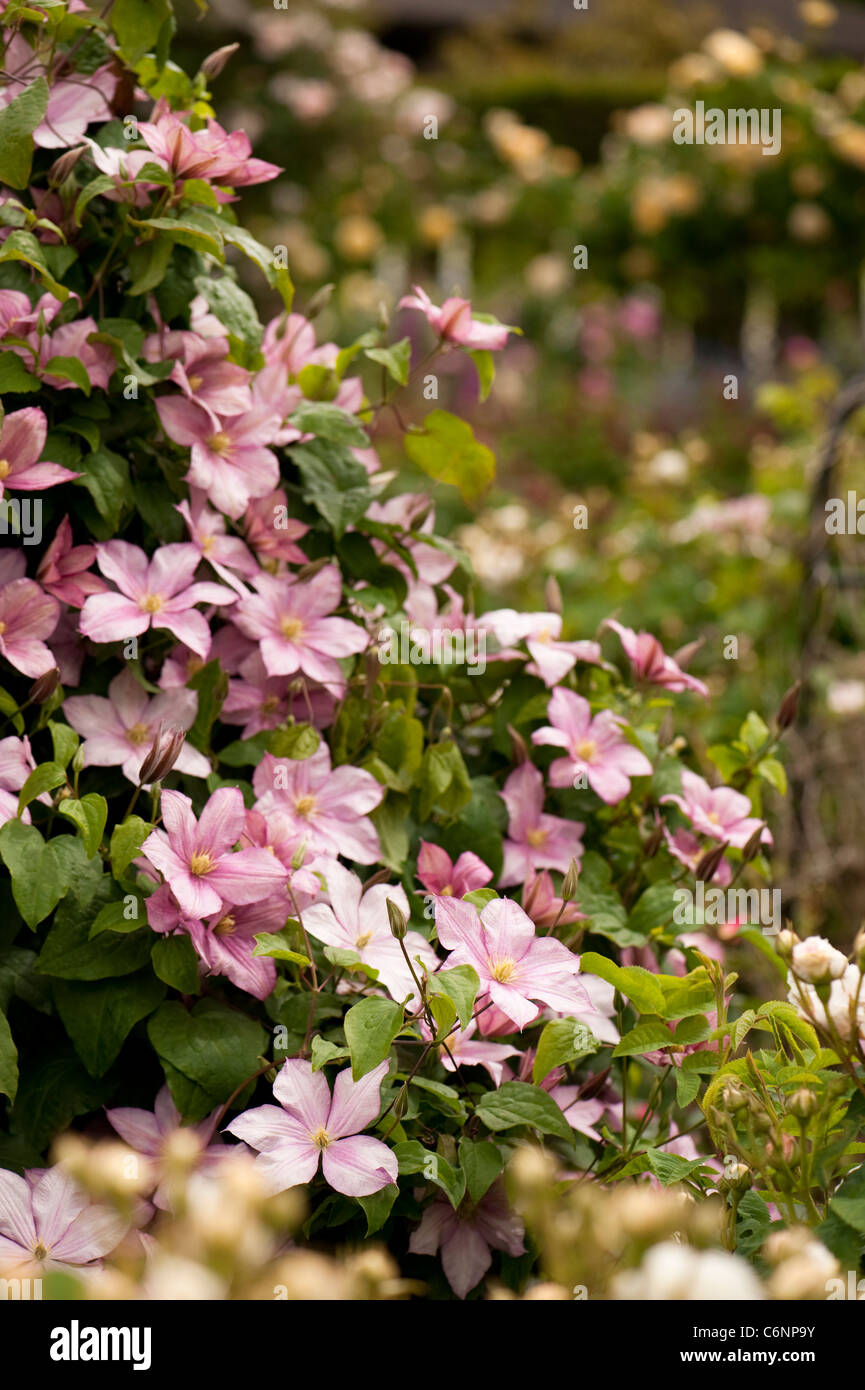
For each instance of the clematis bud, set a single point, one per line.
(62, 167)
(319, 302)
(571, 882)
(518, 745)
(752, 848)
(788, 707)
(653, 844)
(400, 1105)
(307, 571)
(859, 948)
(733, 1098)
(215, 62)
(708, 865)
(397, 919)
(163, 754)
(44, 686)
(380, 876)
(553, 595)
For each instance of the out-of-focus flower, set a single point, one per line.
(466, 1237)
(48, 1224)
(119, 731)
(673, 1272)
(453, 322)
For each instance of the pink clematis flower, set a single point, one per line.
(150, 1132)
(157, 592)
(312, 1125)
(515, 966)
(542, 905)
(228, 555)
(22, 439)
(356, 921)
(48, 1224)
(326, 810)
(290, 621)
(27, 617)
(722, 813)
(688, 850)
(272, 532)
(16, 764)
(211, 153)
(552, 659)
(465, 1237)
(262, 702)
(595, 748)
(442, 877)
(465, 1050)
(229, 458)
(649, 661)
(536, 841)
(196, 858)
(453, 322)
(225, 941)
(74, 102)
(119, 731)
(64, 569)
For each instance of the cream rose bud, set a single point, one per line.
(817, 961)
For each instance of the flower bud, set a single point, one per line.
(400, 1105)
(380, 876)
(62, 167)
(733, 1098)
(785, 942)
(397, 919)
(571, 882)
(859, 948)
(817, 961)
(787, 708)
(44, 686)
(518, 746)
(299, 855)
(708, 864)
(803, 1103)
(752, 848)
(318, 303)
(653, 844)
(737, 1178)
(215, 62)
(553, 595)
(307, 571)
(163, 754)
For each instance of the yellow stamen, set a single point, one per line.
(151, 603)
(363, 940)
(291, 627)
(586, 750)
(225, 927)
(201, 864)
(195, 382)
(321, 1138)
(5, 468)
(139, 733)
(41, 1251)
(2, 628)
(447, 891)
(219, 442)
(504, 970)
(536, 837)
(305, 805)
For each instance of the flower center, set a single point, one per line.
(586, 750)
(320, 1137)
(201, 863)
(139, 733)
(714, 817)
(5, 468)
(305, 805)
(290, 627)
(504, 970)
(363, 940)
(224, 927)
(544, 635)
(2, 628)
(41, 1251)
(270, 704)
(195, 382)
(151, 603)
(219, 442)
(536, 836)
(208, 543)
(447, 891)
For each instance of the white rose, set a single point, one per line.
(677, 1272)
(817, 961)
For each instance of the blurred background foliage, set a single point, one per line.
(473, 146)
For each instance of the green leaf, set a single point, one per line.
(482, 1163)
(298, 741)
(137, 24)
(98, 1015)
(42, 779)
(447, 451)
(126, 842)
(201, 231)
(670, 1168)
(37, 870)
(105, 475)
(445, 1015)
(14, 376)
(175, 961)
(687, 994)
(377, 1208)
(370, 1028)
(90, 815)
(213, 1046)
(51, 1093)
(444, 781)
(412, 1157)
(486, 368)
(278, 278)
(275, 945)
(65, 742)
(331, 422)
(563, 1040)
(68, 369)
(324, 1052)
(773, 772)
(648, 1036)
(23, 246)
(17, 124)
(396, 359)
(754, 732)
(148, 263)
(333, 482)
(232, 306)
(654, 908)
(460, 985)
(8, 1060)
(518, 1103)
(636, 984)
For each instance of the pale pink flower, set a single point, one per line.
(719, 812)
(211, 153)
(325, 810)
(291, 622)
(687, 849)
(352, 920)
(441, 876)
(595, 748)
(229, 458)
(453, 321)
(27, 617)
(64, 569)
(272, 532)
(227, 554)
(552, 659)
(151, 1132)
(514, 966)
(74, 101)
(542, 905)
(260, 701)
(158, 592)
(48, 1224)
(119, 731)
(206, 377)
(16, 764)
(468, 1051)
(22, 439)
(649, 661)
(196, 858)
(312, 1125)
(465, 1237)
(225, 940)
(535, 841)
(70, 340)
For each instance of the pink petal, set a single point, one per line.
(359, 1166)
(356, 1104)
